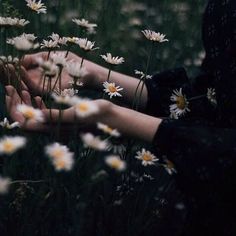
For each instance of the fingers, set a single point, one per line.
(10, 90)
(26, 98)
(8, 102)
(39, 102)
(54, 115)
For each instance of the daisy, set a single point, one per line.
(72, 40)
(9, 60)
(9, 145)
(8, 21)
(153, 36)
(113, 60)
(181, 103)
(4, 184)
(146, 157)
(115, 162)
(22, 43)
(48, 67)
(169, 167)
(75, 70)
(59, 59)
(94, 142)
(49, 44)
(84, 107)
(60, 156)
(5, 124)
(36, 6)
(64, 97)
(111, 89)
(142, 74)
(30, 113)
(108, 130)
(85, 44)
(211, 96)
(85, 24)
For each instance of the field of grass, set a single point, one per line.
(92, 198)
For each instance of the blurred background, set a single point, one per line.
(119, 28)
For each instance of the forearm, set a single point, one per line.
(132, 123)
(98, 75)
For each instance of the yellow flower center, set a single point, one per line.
(8, 147)
(147, 157)
(116, 164)
(29, 114)
(112, 88)
(60, 164)
(83, 107)
(34, 6)
(57, 154)
(181, 102)
(108, 129)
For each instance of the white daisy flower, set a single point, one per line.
(39, 7)
(154, 36)
(94, 142)
(49, 44)
(48, 67)
(85, 44)
(181, 103)
(9, 145)
(8, 21)
(142, 75)
(146, 157)
(4, 185)
(30, 113)
(85, 24)
(169, 167)
(84, 107)
(59, 58)
(6, 124)
(9, 60)
(75, 70)
(72, 40)
(211, 96)
(22, 43)
(65, 96)
(111, 89)
(60, 156)
(108, 130)
(113, 60)
(115, 162)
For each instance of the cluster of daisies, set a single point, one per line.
(60, 156)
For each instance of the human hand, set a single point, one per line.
(10, 74)
(34, 80)
(52, 116)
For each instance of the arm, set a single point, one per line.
(128, 122)
(93, 80)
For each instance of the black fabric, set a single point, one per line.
(202, 143)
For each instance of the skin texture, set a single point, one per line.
(127, 121)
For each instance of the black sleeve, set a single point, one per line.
(200, 153)
(161, 87)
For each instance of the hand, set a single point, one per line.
(34, 80)
(9, 74)
(51, 116)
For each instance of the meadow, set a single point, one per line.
(87, 193)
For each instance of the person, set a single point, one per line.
(201, 143)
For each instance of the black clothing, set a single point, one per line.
(202, 142)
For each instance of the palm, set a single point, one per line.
(35, 80)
